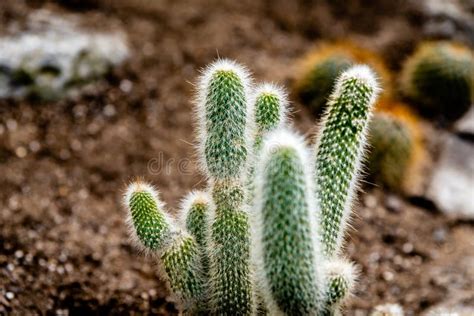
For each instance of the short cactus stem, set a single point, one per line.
(271, 107)
(157, 234)
(230, 275)
(150, 226)
(270, 110)
(339, 151)
(285, 241)
(340, 275)
(225, 116)
(195, 212)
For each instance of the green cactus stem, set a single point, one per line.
(340, 276)
(156, 233)
(230, 276)
(224, 116)
(225, 134)
(339, 151)
(285, 239)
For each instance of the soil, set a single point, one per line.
(63, 242)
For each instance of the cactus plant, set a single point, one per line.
(439, 77)
(319, 69)
(277, 252)
(396, 148)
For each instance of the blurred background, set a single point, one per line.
(96, 92)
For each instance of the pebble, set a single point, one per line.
(10, 295)
(109, 110)
(451, 185)
(407, 248)
(388, 276)
(126, 86)
(387, 310)
(21, 152)
(393, 203)
(19, 254)
(34, 146)
(439, 235)
(11, 124)
(370, 201)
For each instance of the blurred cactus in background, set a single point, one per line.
(266, 236)
(396, 148)
(439, 77)
(319, 69)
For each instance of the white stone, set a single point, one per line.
(387, 310)
(452, 184)
(54, 52)
(465, 125)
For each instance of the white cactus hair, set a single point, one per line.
(200, 101)
(345, 268)
(362, 73)
(140, 185)
(283, 138)
(280, 93)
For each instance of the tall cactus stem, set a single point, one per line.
(225, 132)
(339, 151)
(286, 247)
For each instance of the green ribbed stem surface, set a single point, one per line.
(338, 155)
(149, 222)
(226, 116)
(230, 281)
(181, 264)
(287, 237)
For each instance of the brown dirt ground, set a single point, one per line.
(63, 242)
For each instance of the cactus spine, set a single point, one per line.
(299, 212)
(225, 138)
(286, 229)
(339, 151)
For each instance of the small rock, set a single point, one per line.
(387, 310)
(407, 248)
(393, 203)
(465, 125)
(54, 56)
(10, 295)
(388, 276)
(439, 235)
(454, 307)
(452, 185)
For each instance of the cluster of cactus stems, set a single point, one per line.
(265, 236)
